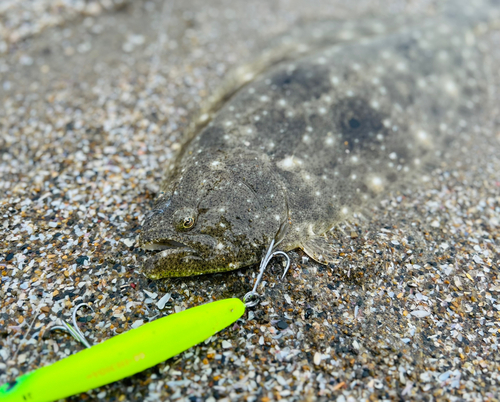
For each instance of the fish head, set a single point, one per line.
(212, 220)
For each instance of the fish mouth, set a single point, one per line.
(172, 258)
(169, 249)
(164, 244)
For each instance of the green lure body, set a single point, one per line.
(125, 354)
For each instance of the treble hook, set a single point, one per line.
(251, 299)
(74, 330)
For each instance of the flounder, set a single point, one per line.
(314, 134)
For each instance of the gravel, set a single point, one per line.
(95, 96)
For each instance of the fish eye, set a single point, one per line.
(188, 222)
(184, 219)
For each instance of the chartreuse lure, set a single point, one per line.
(132, 352)
(125, 354)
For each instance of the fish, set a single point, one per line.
(299, 142)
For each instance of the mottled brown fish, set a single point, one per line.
(313, 139)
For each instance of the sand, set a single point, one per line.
(94, 99)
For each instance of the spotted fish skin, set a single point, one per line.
(311, 141)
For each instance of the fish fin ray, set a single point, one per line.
(320, 250)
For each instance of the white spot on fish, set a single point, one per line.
(386, 54)
(248, 77)
(289, 163)
(423, 137)
(310, 230)
(451, 88)
(400, 66)
(346, 35)
(375, 183)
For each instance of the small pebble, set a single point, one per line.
(282, 324)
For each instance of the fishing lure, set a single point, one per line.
(132, 352)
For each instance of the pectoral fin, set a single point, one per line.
(320, 250)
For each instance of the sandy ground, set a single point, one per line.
(94, 98)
